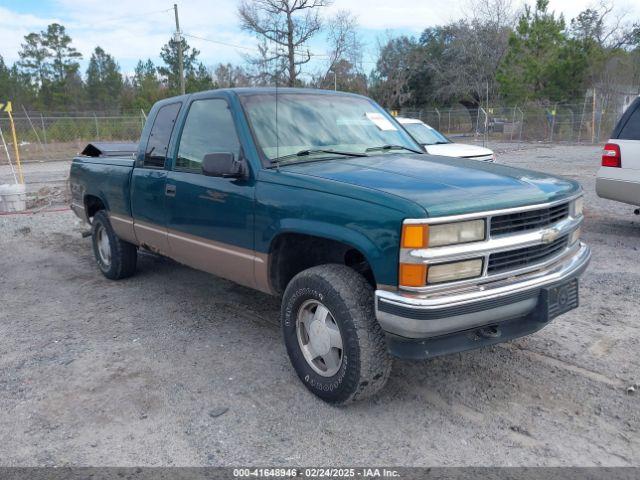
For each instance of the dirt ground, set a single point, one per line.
(176, 367)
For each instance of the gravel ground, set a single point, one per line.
(176, 367)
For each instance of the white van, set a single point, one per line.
(619, 176)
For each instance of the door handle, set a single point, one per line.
(170, 190)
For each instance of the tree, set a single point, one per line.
(344, 68)
(463, 57)
(396, 68)
(264, 69)
(33, 59)
(542, 63)
(15, 85)
(287, 26)
(104, 81)
(194, 74)
(65, 57)
(52, 63)
(452, 63)
(226, 75)
(146, 85)
(604, 26)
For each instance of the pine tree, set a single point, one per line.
(52, 65)
(542, 62)
(170, 71)
(146, 85)
(104, 81)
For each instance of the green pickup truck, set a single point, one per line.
(376, 248)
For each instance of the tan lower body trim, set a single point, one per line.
(237, 264)
(123, 226)
(227, 261)
(153, 237)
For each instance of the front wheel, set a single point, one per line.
(332, 337)
(115, 257)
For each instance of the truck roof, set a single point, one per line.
(243, 91)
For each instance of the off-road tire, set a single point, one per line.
(366, 363)
(124, 255)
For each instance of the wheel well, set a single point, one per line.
(292, 253)
(92, 205)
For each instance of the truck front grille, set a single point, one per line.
(525, 257)
(529, 220)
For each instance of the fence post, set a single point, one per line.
(44, 151)
(449, 127)
(521, 123)
(573, 124)
(438, 113)
(593, 118)
(44, 130)
(95, 118)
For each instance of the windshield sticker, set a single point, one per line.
(380, 121)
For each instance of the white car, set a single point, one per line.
(436, 143)
(619, 176)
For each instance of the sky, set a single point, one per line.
(133, 30)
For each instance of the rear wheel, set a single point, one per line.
(332, 337)
(115, 257)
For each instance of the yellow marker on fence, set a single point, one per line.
(7, 107)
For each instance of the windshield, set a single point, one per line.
(316, 124)
(424, 134)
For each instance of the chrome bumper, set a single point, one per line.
(414, 315)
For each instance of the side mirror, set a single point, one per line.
(222, 165)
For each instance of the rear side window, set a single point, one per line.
(160, 136)
(209, 128)
(631, 129)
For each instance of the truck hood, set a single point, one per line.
(457, 150)
(441, 185)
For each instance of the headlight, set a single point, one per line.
(577, 207)
(452, 233)
(447, 272)
(422, 236)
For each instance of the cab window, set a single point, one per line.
(209, 128)
(160, 136)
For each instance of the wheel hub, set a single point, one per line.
(319, 338)
(104, 248)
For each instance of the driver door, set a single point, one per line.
(210, 219)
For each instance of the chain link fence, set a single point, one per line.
(579, 123)
(47, 136)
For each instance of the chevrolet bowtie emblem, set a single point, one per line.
(550, 235)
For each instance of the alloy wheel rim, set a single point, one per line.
(319, 338)
(104, 248)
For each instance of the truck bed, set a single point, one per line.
(107, 178)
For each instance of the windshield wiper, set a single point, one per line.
(306, 153)
(392, 147)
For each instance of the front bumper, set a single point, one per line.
(408, 317)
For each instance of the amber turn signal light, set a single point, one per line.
(415, 236)
(413, 275)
